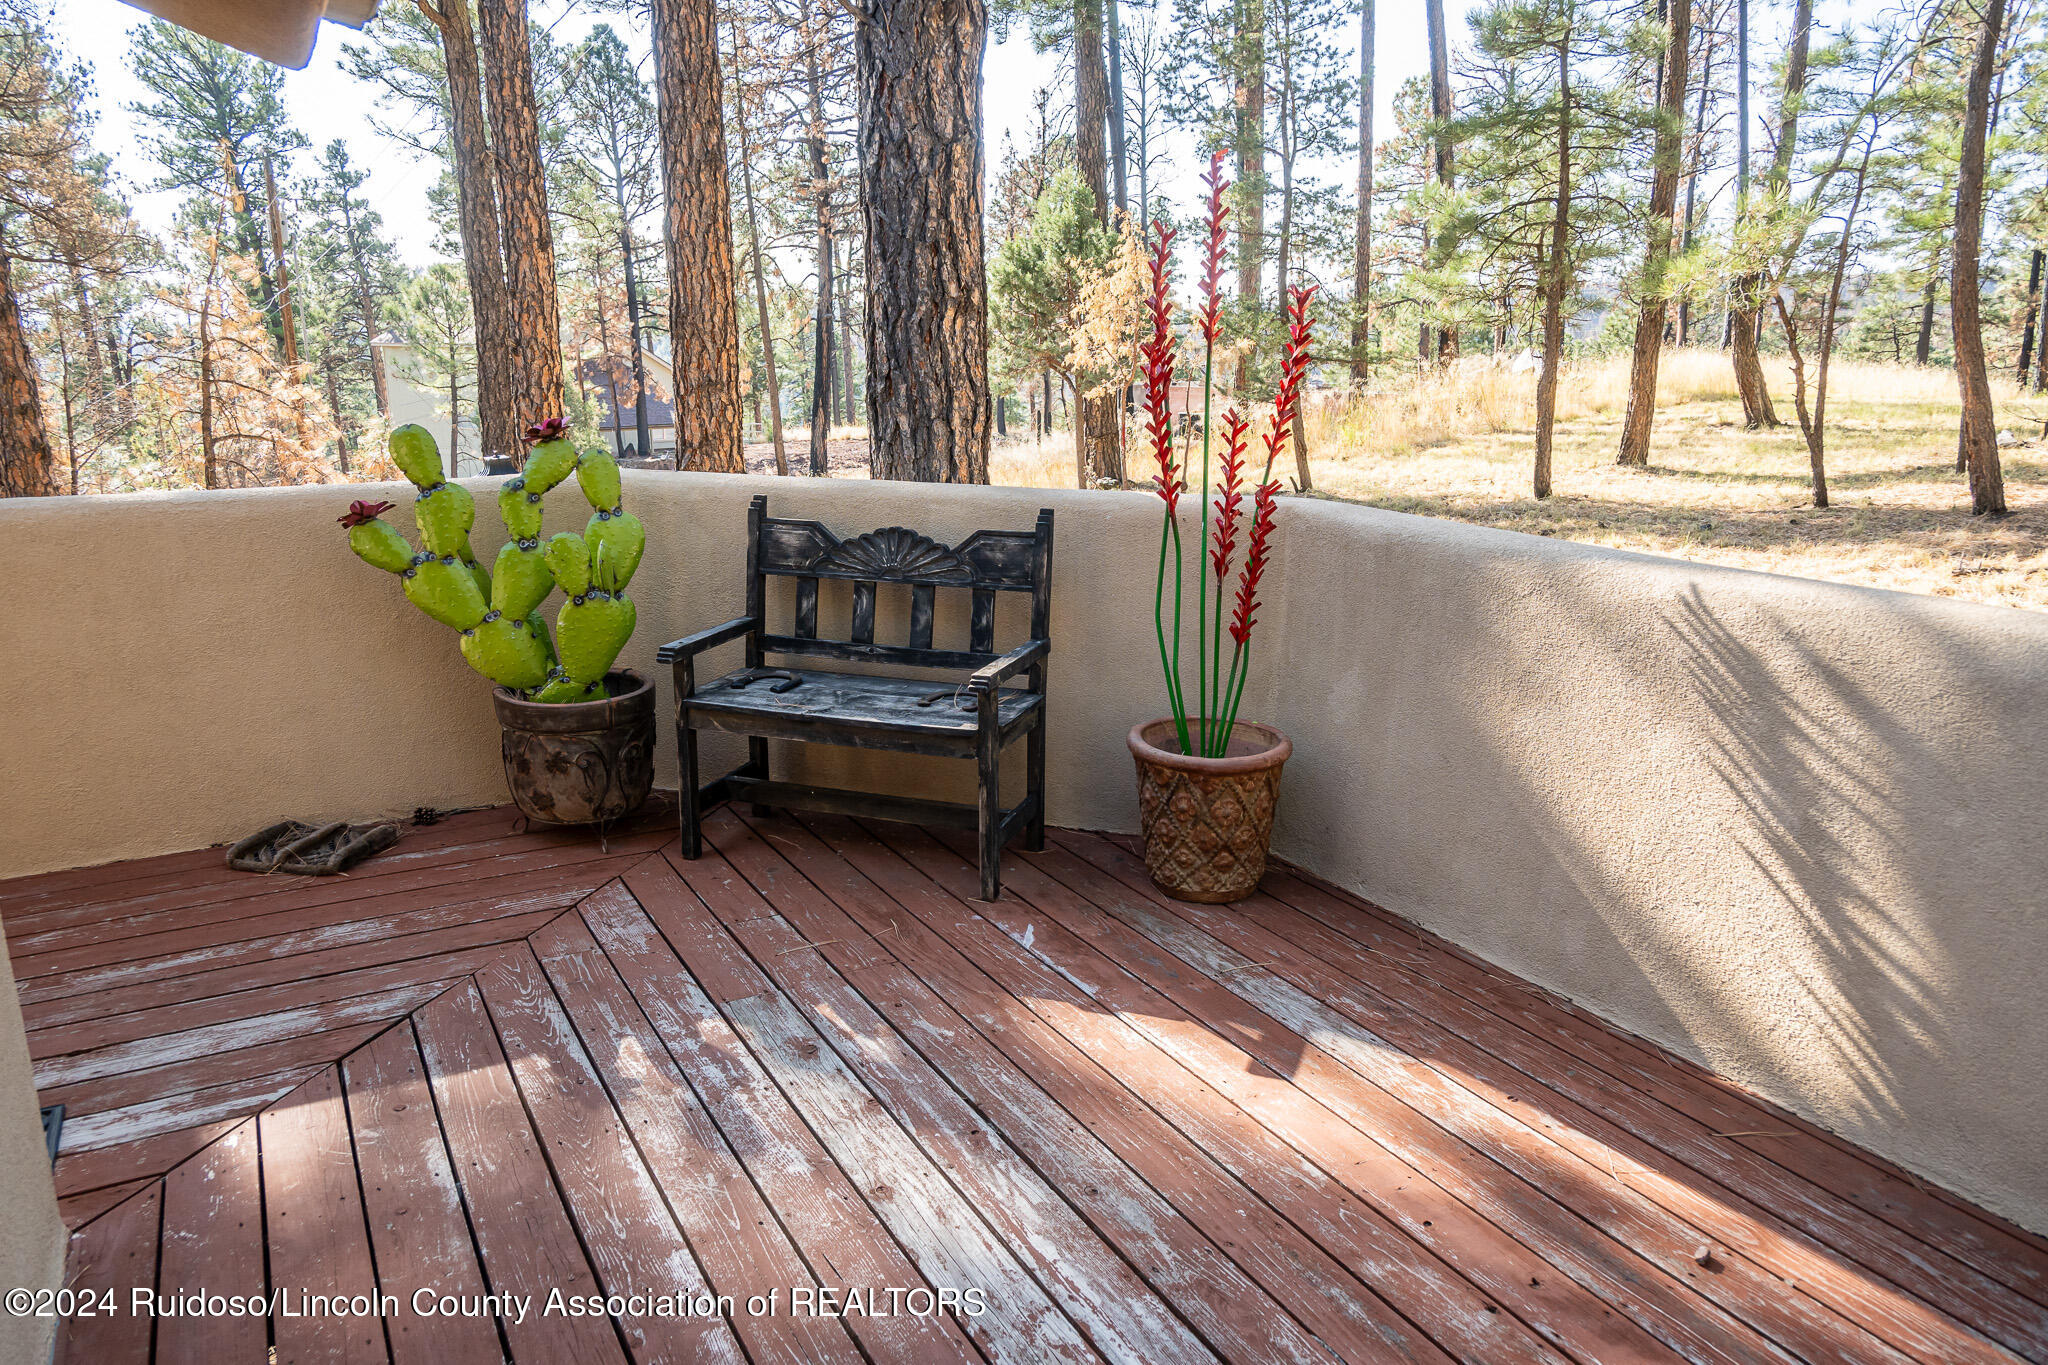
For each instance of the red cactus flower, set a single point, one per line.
(1293, 365)
(1229, 497)
(360, 512)
(549, 430)
(1156, 353)
(1212, 251)
(1260, 549)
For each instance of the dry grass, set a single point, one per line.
(1460, 445)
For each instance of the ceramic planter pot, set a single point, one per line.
(580, 763)
(1208, 822)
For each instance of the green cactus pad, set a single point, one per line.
(417, 457)
(539, 624)
(590, 633)
(444, 590)
(562, 688)
(621, 540)
(519, 510)
(379, 543)
(548, 465)
(520, 581)
(597, 474)
(444, 515)
(569, 558)
(505, 650)
(479, 573)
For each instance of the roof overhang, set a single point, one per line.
(280, 31)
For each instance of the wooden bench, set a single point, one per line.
(972, 716)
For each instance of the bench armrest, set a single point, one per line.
(691, 645)
(989, 677)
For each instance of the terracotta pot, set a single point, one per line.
(1208, 821)
(584, 762)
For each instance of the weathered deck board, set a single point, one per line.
(510, 1060)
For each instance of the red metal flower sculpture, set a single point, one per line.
(360, 512)
(1219, 689)
(550, 430)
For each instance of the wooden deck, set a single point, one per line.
(497, 1062)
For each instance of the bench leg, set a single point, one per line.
(1034, 788)
(689, 812)
(988, 772)
(757, 766)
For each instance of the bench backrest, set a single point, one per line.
(984, 564)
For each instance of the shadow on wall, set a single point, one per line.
(1824, 826)
(1781, 827)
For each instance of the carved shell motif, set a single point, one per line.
(896, 552)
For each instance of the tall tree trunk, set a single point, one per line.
(704, 327)
(249, 238)
(1813, 423)
(2033, 315)
(334, 406)
(1979, 433)
(288, 329)
(1250, 138)
(760, 286)
(1119, 167)
(1443, 160)
(844, 311)
(28, 467)
(1556, 275)
(533, 311)
(1749, 297)
(1095, 430)
(1923, 340)
(920, 88)
(366, 311)
(821, 319)
(1649, 344)
(1692, 178)
(483, 247)
(1361, 233)
(643, 436)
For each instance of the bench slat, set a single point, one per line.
(863, 613)
(807, 608)
(921, 606)
(981, 634)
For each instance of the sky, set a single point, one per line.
(326, 103)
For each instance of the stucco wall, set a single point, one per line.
(31, 1233)
(1788, 829)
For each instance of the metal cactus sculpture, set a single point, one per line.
(504, 636)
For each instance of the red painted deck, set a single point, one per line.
(496, 1062)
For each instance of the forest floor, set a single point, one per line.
(1462, 447)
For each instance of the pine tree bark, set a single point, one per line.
(532, 307)
(1556, 275)
(1979, 433)
(1649, 343)
(1444, 159)
(704, 327)
(1361, 237)
(1096, 433)
(28, 466)
(483, 248)
(2033, 316)
(926, 326)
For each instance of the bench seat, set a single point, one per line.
(913, 715)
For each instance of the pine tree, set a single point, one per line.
(216, 113)
(927, 293)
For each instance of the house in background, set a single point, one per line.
(415, 393)
(607, 385)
